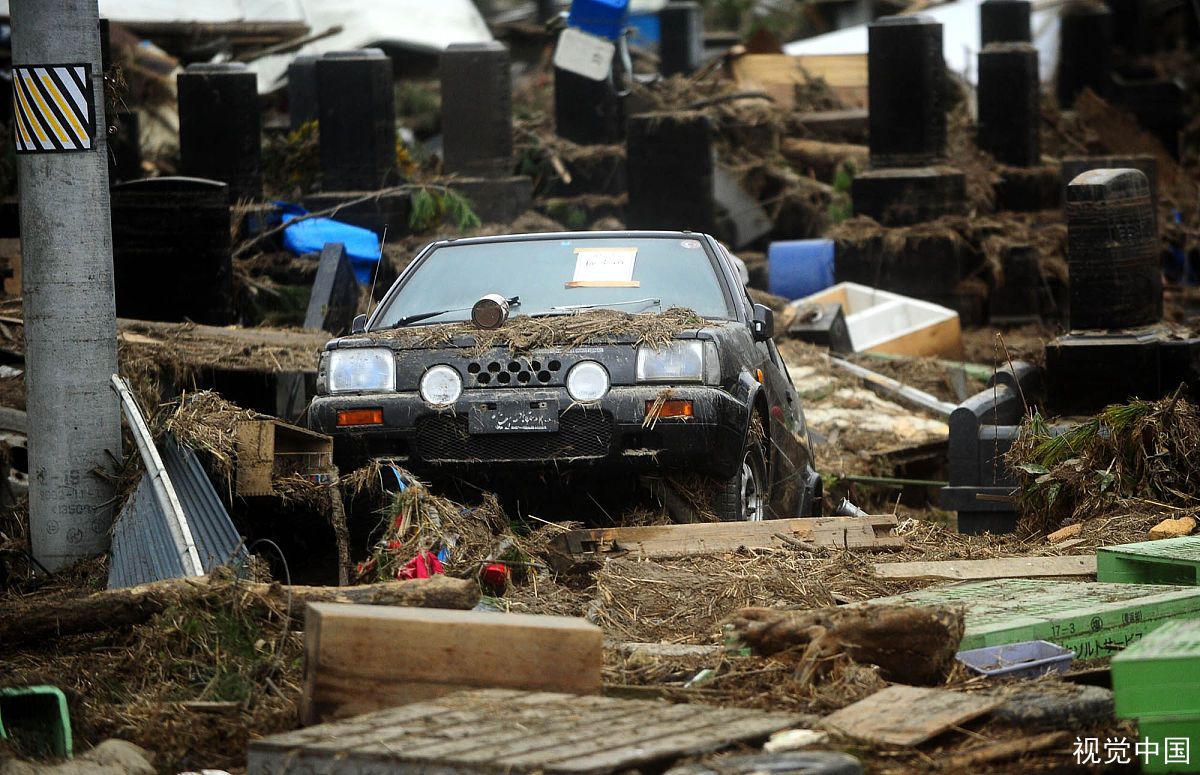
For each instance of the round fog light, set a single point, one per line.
(587, 381)
(441, 385)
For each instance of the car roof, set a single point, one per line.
(625, 233)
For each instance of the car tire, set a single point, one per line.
(1069, 707)
(743, 497)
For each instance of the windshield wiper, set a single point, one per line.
(572, 307)
(419, 316)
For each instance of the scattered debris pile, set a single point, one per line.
(913, 645)
(1132, 459)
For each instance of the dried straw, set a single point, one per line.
(524, 333)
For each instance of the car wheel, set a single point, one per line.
(743, 497)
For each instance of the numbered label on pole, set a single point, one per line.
(53, 108)
(584, 54)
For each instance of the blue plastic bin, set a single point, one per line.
(1027, 659)
(311, 235)
(604, 18)
(646, 29)
(799, 268)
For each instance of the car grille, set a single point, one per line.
(581, 433)
(514, 372)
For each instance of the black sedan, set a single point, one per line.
(430, 379)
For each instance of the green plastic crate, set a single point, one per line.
(37, 720)
(1169, 561)
(1092, 619)
(1160, 674)
(1160, 731)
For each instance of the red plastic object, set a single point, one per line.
(495, 577)
(422, 566)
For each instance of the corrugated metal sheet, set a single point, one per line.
(142, 547)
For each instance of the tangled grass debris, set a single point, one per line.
(524, 333)
(1139, 452)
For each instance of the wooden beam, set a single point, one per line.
(997, 568)
(360, 659)
(722, 537)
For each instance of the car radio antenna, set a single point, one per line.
(375, 274)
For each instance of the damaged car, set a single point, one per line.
(625, 352)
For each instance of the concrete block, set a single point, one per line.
(356, 105)
(476, 109)
(898, 197)
(220, 134)
(335, 294)
(906, 86)
(1113, 251)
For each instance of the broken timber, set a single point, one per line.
(998, 568)
(908, 715)
(506, 732)
(721, 537)
(268, 448)
(360, 658)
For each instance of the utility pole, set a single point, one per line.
(67, 277)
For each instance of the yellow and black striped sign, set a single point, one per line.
(53, 108)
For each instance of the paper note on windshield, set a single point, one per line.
(604, 268)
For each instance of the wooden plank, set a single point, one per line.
(700, 735)
(997, 568)
(776, 74)
(721, 537)
(362, 658)
(495, 732)
(846, 74)
(908, 715)
(267, 447)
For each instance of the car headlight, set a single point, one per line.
(361, 369)
(587, 381)
(677, 362)
(441, 385)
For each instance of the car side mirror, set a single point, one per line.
(358, 325)
(763, 324)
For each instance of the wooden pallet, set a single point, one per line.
(1160, 674)
(1094, 620)
(723, 537)
(505, 732)
(1169, 561)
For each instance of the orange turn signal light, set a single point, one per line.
(346, 417)
(668, 409)
(758, 375)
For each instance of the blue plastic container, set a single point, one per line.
(646, 30)
(1028, 659)
(799, 268)
(604, 18)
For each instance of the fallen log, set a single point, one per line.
(913, 645)
(33, 620)
(823, 158)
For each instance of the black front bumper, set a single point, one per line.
(608, 432)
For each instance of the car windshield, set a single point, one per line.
(552, 276)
